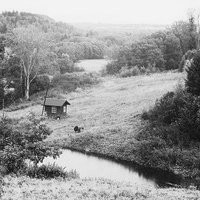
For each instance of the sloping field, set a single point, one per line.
(109, 113)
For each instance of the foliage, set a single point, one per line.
(142, 54)
(46, 24)
(84, 48)
(187, 59)
(161, 50)
(113, 68)
(171, 139)
(171, 51)
(30, 45)
(127, 72)
(50, 171)
(166, 109)
(23, 140)
(193, 75)
(179, 109)
(40, 83)
(71, 81)
(185, 32)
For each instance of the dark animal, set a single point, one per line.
(78, 129)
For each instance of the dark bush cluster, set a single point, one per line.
(23, 140)
(113, 68)
(70, 81)
(40, 83)
(179, 110)
(193, 75)
(171, 138)
(50, 171)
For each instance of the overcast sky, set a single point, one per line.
(106, 11)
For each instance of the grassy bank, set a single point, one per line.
(25, 188)
(111, 115)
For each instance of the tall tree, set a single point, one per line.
(192, 32)
(29, 45)
(181, 31)
(193, 75)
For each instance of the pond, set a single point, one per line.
(89, 166)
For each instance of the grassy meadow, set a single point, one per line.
(115, 78)
(16, 188)
(109, 112)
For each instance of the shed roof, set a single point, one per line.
(55, 102)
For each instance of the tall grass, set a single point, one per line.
(50, 171)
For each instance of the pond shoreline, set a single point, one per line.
(133, 164)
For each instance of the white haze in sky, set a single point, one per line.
(106, 11)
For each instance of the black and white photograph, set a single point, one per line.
(100, 100)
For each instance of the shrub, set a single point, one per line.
(125, 72)
(23, 140)
(113, 68)
(71, 81)
(78, 69)
(50, 171)
(40, 83)
(189, 118)
(166, 109)
(135, 71)
(193, 76)
(129, 71)
(189, 55)
(171, 139)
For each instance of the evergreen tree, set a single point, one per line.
(192, 33)
(193, 76)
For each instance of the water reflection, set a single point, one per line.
(89, 166)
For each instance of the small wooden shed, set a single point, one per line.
(56, 108)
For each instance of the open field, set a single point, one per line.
(97, 189)
(109, 112)
(94, 65)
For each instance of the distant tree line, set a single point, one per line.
(34, 48)
(162, 50)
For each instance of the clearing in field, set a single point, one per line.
(93, 65)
